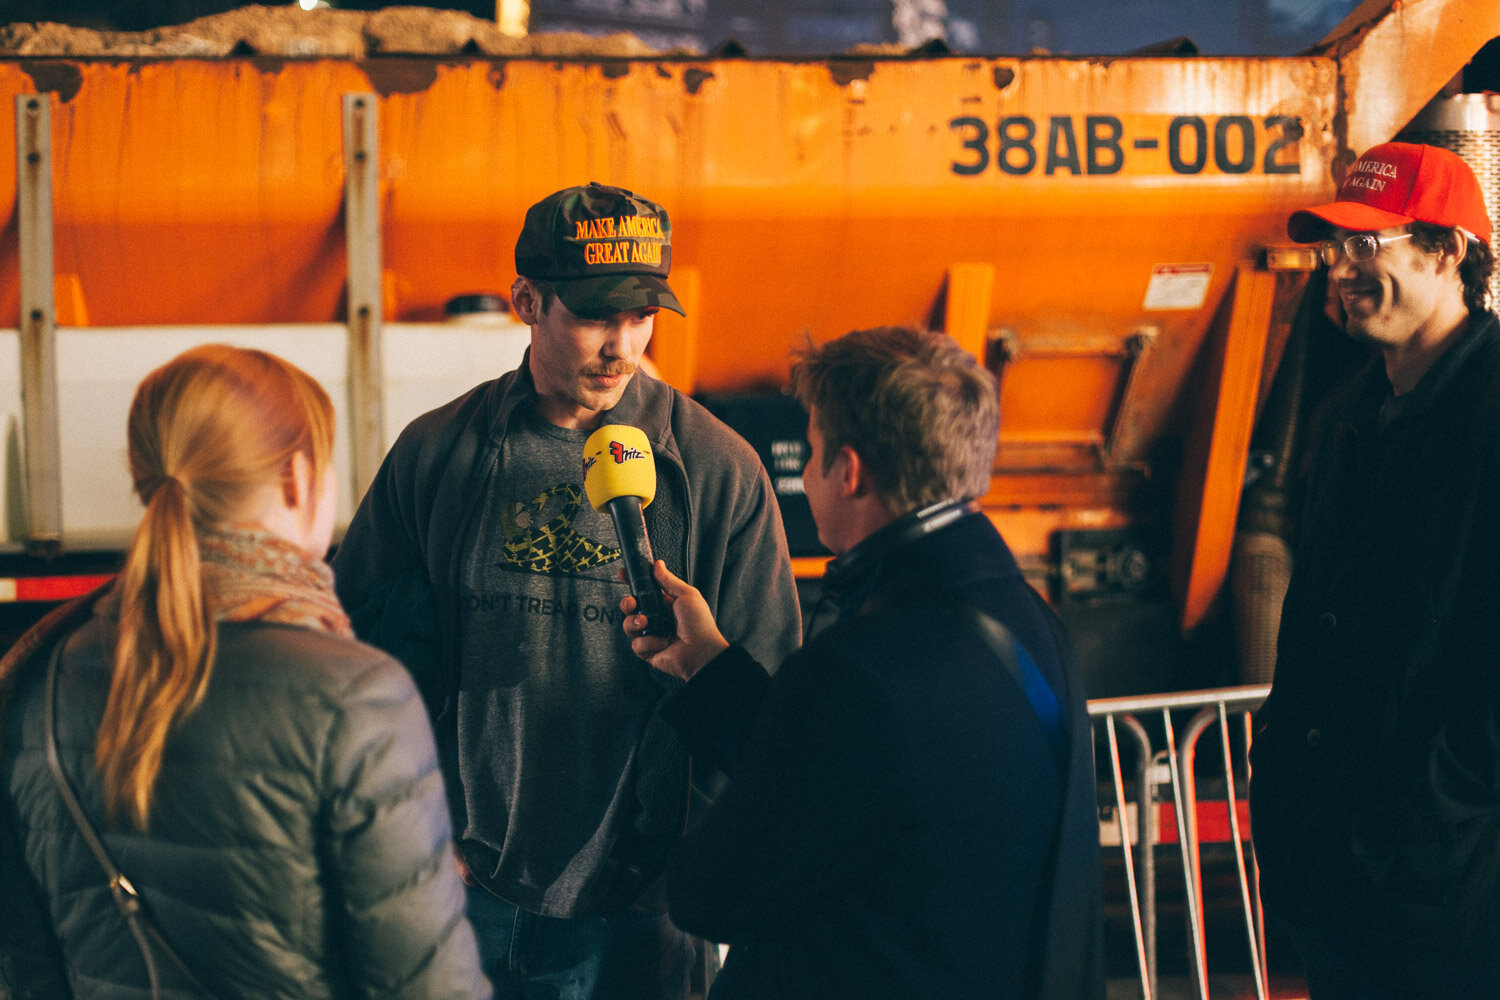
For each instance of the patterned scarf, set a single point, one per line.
(252, 575)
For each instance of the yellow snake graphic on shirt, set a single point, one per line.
(539, 544)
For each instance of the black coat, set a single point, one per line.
(1375, 789)
(896, 823)
(298, 847)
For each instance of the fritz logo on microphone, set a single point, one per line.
(623, 453)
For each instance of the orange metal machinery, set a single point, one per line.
(1108, 233)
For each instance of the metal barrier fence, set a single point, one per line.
(1172, 766)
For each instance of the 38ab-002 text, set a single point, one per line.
(1020, 148)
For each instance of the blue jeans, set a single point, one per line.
(637, 955)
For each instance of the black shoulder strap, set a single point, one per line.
(126, 898)
(1027, 675)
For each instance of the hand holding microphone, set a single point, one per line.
(619, 475)
(698, 639)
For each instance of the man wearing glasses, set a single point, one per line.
(1375, 793)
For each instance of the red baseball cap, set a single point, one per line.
(1397, 183)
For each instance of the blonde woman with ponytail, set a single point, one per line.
(267, 783)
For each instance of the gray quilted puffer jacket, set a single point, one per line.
(299, 844)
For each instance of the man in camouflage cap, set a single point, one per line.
(476, 559)
(604, 249)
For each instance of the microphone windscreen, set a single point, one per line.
(617, 463)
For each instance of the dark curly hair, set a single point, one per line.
(1475, 269)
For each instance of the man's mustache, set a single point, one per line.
(611, 369)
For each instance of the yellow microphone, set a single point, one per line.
(619, 475)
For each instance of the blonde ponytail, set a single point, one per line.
(164, 654)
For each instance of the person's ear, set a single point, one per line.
(297, 486)
(853, 475)
(1453, 252)
(525, 301)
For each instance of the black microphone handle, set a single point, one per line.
(635, 550)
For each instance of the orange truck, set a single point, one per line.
(1106, 233)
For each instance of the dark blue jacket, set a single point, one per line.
(897, 823)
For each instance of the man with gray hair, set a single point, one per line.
(910, 810)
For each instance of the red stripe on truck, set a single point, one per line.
(48, 588)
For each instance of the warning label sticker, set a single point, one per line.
(1178, 286)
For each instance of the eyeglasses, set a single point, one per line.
(1360, 246)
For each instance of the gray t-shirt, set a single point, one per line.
(552, 702)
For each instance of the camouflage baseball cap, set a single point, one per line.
(603, 249)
